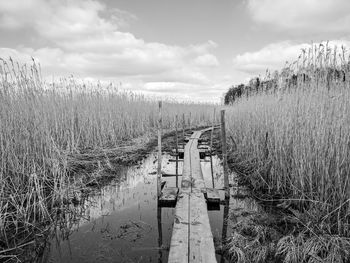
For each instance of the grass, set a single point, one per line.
(43, 126)
(294, 146)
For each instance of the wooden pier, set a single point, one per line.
(192, 239)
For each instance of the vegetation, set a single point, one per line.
(43, 126)
(293, 145)
(289, 135)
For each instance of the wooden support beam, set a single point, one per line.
(169, 194)
(170, 175)
(159, 170)
(174, 160)
(212, 195)
(224, 153)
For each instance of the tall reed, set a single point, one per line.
(295, 143)
(41, 124)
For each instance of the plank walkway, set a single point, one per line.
(192, 239)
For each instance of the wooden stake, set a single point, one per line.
(224, 154)
(159, 171)
(189, 120)
(183, 128)
(224, 226)
(215, 116)
(211, 150)
(177, 151)
(160, 234)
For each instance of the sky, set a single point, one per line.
(184, 49)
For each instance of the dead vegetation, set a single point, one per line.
(291, 147)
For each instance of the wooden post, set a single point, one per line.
(214, 115)
(160, 234)
(211, 150)
(189, 120)
(224, 154)
(183, 128)
(224, 227)
(177, 151)
(159, 171)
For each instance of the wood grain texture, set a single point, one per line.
(201, 238)
(192, 239)
(180, 237)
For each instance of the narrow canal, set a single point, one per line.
(122, 223)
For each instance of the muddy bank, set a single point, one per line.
(98, 167)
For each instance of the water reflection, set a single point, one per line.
(117, 224)
(123, 223)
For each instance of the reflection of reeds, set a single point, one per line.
(296, 143)
(43, 125)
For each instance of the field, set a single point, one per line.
(291, 147)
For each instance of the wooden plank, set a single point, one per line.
(212, 195)
(186, 172)
(200, 149)
(180, 150)
(170, 175)
(192, 239)
(201, 238)
(174, 160)
(169, 194)
(179, 239)
(197, 175)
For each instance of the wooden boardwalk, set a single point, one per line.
(192, 239)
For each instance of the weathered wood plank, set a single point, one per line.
(201, 238)
(186, 172)
(192, 239)
(179, 239)
(169, 194)
(197, 176)
(170, 175)
(200, 149)
(212, 195)
(174, 160)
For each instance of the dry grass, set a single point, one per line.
(42, 126)
(295, 144)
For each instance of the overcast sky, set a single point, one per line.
(183, 48)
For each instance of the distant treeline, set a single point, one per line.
(271, 85)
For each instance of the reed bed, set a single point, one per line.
(42, 124)
(294, 146)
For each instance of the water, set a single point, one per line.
(122, 223)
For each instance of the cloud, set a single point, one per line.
(302, 16)
(187, 92)
(207, 60)
(83, 38)
(274, 56)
